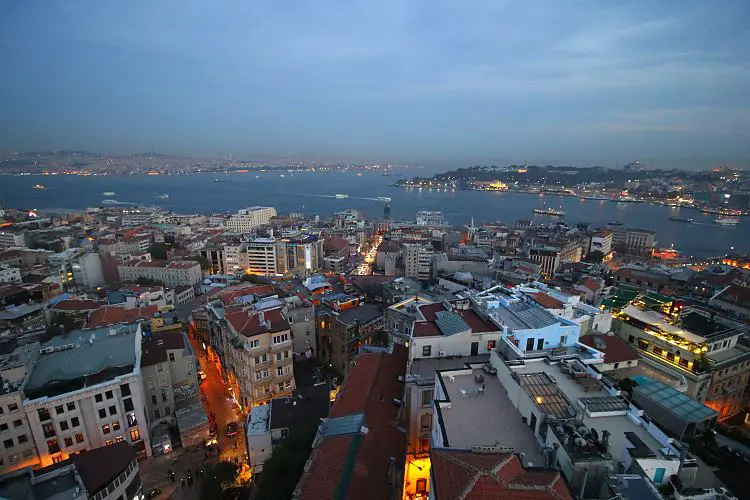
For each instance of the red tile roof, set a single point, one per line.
(591, 283)
(77, 305)
(546, 301)
(484, 476)
(112, 315)
(616, 350)
(356, 466)
(258, 290)
(428, 328)
(733, 294)
(247, 322)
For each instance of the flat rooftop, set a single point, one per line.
(425, 368)
(483, 420)
(82, 358)
(525, 316)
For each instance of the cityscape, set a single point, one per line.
(375, 251)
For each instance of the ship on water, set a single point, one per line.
(600, 197)
(681, 219)
(727, 221)
(342, 196)
(387, 199)
(549, 211)
(39, 186)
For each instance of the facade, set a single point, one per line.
(123, 248)
(734, 300)
(430, 218)
(265, 257)
(216, 259)
(343, 334)
(133, 218)
(602, 242)
(12, 239)
(183, 294)
(639, 241)
(417, 260)
(87, 271)
(301, 317)
(85, 392)
(10, 274)
(247, 219)
(171, 274)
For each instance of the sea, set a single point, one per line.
(314, 193)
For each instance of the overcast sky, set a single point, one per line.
(379, 80)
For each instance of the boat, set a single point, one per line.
(164, 196)
(549, 211)
(39, 186)
(342, 196)
(615, 223)
(627, 199)
(108, 193)
(600, 197)
(282, 175)
(386, 199)
(386, 174)
(681, 219)
(218, 180)
(359, 174)
(727, 221)
(726, 212)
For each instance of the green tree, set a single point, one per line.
(158, 251)
(282, 471)
(216, 478)
(205, 264)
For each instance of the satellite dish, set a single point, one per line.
(594, 435)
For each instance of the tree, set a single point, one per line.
(252, 278)
(205, 264)
(158, 251)
(216, 477)
(282, 471)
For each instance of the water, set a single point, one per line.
(314, 193)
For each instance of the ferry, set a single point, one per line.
(727, 221)
(600, 197)
(386, 199)
(164, 196)
(627, 199)
(549, 211)
(681, 219)
(342, 196)
(39, 186)
(108, 193)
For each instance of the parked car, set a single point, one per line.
(232, 429)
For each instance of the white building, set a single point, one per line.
(87, 270)
(170, 273)
(132, 218)
(430, 218)
(263, 257)
(247, 219)
(602, 242)
(10, 274)
(417, 258)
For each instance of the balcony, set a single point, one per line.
(281, 346)
(261, 366)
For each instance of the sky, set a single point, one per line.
(432, 82)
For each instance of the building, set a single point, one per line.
(268, 424)
(133, 218)
(124, 247)
(10, 274)
(343, 334)
(84, 392)
(247, 219)
(214, 254)
(10, 238)
(617, 353)
(265, 257)
(639, 241)
(549, 257)
(168, 273)
(601, 241)
(358, 451)
(168, 371)
(417, 259)
(734, 300)
(87, 271)
(256, 354)
(301, 317)
(106, 473)
(18, 449)
(482, 473)
(183, 294)
(430, 218)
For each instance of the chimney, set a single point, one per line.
(261, 318)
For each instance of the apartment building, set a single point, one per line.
(256, 352)
(10, 274)
(170, 273)
(85, 391)
(639, 241)
(301, 317)
(342, 334)
(549, 257)
(124, 247)
(601, 241)
(133, 218)
(430, 218)
(417, 259)
(18, 450)
(169, 376)
(87, 271)
(247, 219)
(12, 239)
(272, 256)
(216, 258)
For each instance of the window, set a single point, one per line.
(280, 339)
(109, 394)
(280, 371)
(426, 350)
(261, 359)
(64, 425)
(254, 344)
(8, 443)
(119, 439)
(171, 358)
(48, 429)
(281, 387)
(3, 427)
(71, 406)
(1, 410)
(167, 411)
(163, 397)
(131, 419)
(260, 375)
(79, 437)
(13, 407)
(156, 413)
(128, 404)
(150, 384)
(113, 410)
(491, 344)
(616, 366)
(154, 400)
(115, 426)
(59, 409)
(102, 413)
(563, 339)
(278, 356)
(134, 434)
(159, 368)
(18, 423)
(427, 397)
(425, 422)
(105, 429)
(43, 414)
(422, 485)
(107, 443)
(98, 398)
(68, 441)
(125, 390)
(23, 438)
(75, 422)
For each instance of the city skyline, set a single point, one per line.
(494, 83)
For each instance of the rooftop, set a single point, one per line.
(307, 405)
(424, 368)
(250, 323)
(80, 359)
(156, 346)
(483, 420)
(614, 348)
(676, 402)
(525, 316)
(363, 314)
(114, 315)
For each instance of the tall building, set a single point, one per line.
(601, 241)
(417, 259)
(387, 211)
(87, 271)
(215, 255)
(247, 219)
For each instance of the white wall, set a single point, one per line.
(453, 345)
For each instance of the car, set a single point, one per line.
(232, 429)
